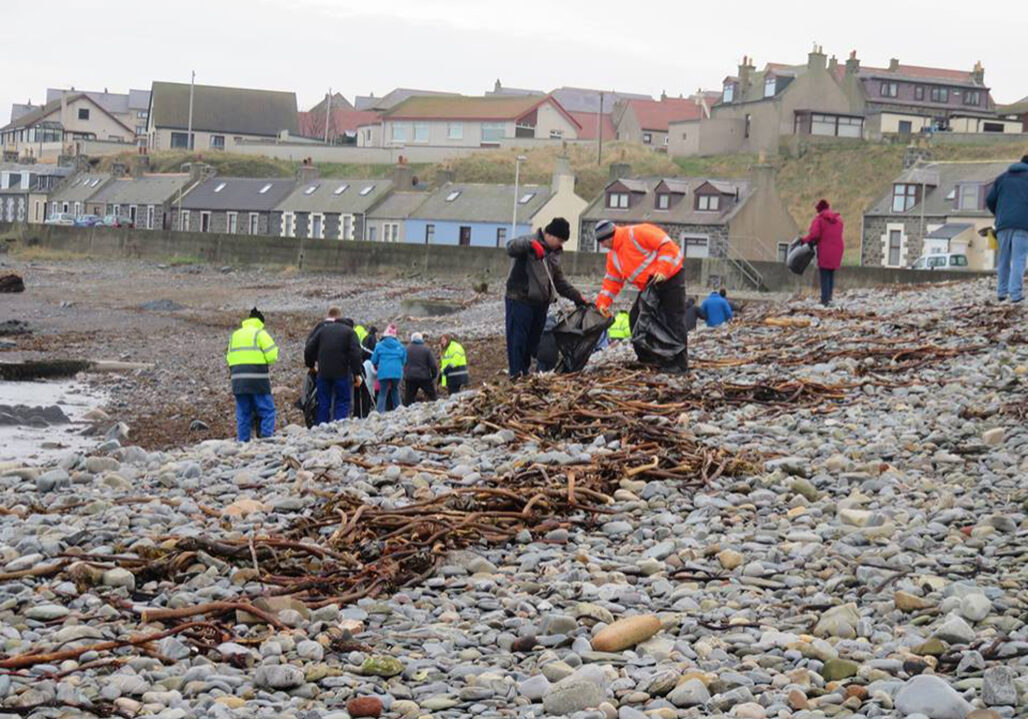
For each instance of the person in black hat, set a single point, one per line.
(534, 281)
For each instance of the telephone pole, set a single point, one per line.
(189, 130)
(328, 112)
(599, 131)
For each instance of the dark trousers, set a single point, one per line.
(456, 384)
(827, 285)
(333, 399)
(525, 325)
(363, 401)
(411, 387)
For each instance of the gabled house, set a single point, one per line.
(480, 215)
(222, 116)
(903, 99)
(328, 208)
(23, 190)
(932, 208)
(710, 217)
(147, 199)
(593, 109)
(49, 131)
(459, 121)
(647, 121)
(74, 195)
(130, 108)
(1017, 111)
(388, 220)
(232, 205)
(343, 124)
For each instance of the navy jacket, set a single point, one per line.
(1008, 199)
(716, 309)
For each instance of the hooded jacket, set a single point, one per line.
(533, 280)
(1008, 199)
(421, 364)
(389, 358)
(826, 231)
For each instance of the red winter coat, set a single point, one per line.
(826, 230)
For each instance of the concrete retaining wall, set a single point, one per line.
(401, 259)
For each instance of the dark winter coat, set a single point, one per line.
(826, 231)
(421, 364)
(533, 280)
(336, 350)
(1008, 199)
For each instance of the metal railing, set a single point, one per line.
(725, 250)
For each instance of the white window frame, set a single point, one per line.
(321, 226)
(205, 215)
(782, 251)
(346, 227)
(770, 84)
(65, 208)
(494, 127)
(288, 225)
(420, 133)
(183, 221)
(501, 236)
(117, 210)
(390, 232)
(455, 131)
(213, 145)
(133, 214)
(728, 92)
(968, 191)
(663, 201)
(708, 203)
(231, 222)
(151, 213)
(693, 240)
(905, 201)
(78, 209)
(617, 201)
(647, 138)
(254, 226)
(429, 233)
(885, 238)
(399, 131)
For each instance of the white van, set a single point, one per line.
(941, 261)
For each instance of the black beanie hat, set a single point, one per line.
(256, 314)
(559, 228)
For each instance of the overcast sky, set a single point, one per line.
(465, 45)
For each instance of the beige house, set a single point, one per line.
(710, 217)
(647, 121)
(221, 116)
(459, 121)
(932, 208)
(50, 131)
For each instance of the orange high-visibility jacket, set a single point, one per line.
(637, 253)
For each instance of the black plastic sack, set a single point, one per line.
(799, 256)
(653, 339)
(576, 335)
(309, 399)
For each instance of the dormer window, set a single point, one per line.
(617, 200)
(663, 201)
(889, 89)
(708, 203)
(904, 197)
(968, 197)
(972, 97)
(770, 85)
(940, 94)
(729, 92)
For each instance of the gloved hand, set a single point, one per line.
(605, 311)
(581, 302)
(538, 248)
(658, 278)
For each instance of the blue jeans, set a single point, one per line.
(827, 284)
(246, 406)
(525, 324)
(1013, 251)
(388, 388)
(333, 399)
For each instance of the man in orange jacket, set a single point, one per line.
(644, 254)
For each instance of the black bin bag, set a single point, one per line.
(653, 339)
(799, 256)
(309, 399)
(576, 335)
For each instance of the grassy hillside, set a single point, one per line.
(850, 175)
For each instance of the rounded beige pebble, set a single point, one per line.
(625, 633)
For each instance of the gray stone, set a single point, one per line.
(534, 688)
(929, 695)
(998, 688)
(569, 697)
(975, 607)
(278, 676)
(118, 577)
(955, 631)
(690, 693)
(46, 612)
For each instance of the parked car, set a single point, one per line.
(117, 221)
(60, 218)
(87, 220)
(942, 261)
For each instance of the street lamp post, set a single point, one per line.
(517, 178)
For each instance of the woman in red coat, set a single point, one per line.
(826, 233)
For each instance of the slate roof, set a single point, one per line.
(224, 109)
(949, 231)
(681, 211)
(580, 99)
(81, 187)
(18, 110)
(146, 190)
(327, 197)
(1016, 108)
(488, 108)
(398, 206)
(117, 103)
(482, 203)
(656, 114)
(39, 113)
(946, 175)
(393, 98)
(239, 193)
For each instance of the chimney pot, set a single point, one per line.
(894, 65)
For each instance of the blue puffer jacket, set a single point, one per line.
(1008, 200)
(389, 358)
